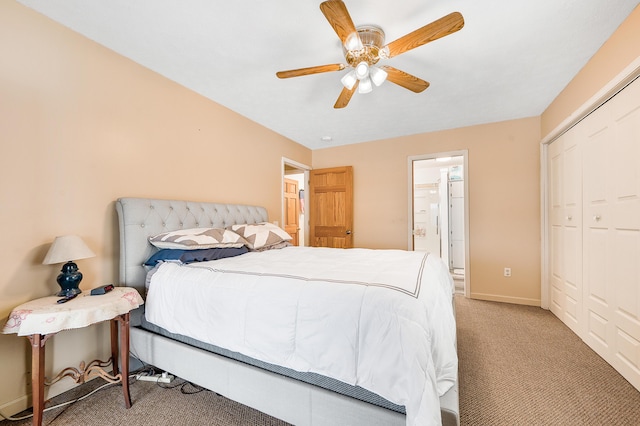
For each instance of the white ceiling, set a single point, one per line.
(511, 59)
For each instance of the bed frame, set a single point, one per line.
(287, 399)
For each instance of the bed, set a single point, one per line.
(303, 386)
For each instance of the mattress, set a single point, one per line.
(385, 325)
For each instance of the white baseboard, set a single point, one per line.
(16, 406)
(506, 299)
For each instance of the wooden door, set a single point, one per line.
(292, 210)
(331, 207)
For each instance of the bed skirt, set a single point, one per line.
(261, 389)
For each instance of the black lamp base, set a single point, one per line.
(69, 280)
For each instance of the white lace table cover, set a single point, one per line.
(45, 316)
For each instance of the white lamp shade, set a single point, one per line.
(378, 75)
(362, 70)
(349, 79)
(365, 85)
(67, 248)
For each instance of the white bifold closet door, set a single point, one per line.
(595, 230)
(566, 230)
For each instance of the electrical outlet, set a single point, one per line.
(158, 378)
(507, 272)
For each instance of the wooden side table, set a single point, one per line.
(40, 319)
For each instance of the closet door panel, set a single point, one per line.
(572, 289)
(565, 234)
(598, 179)
(572, 180)
(556, 229)
(625, 281)
(572, 231)
(628, 357)
(626, 115)
(597, 144)
(557, 292)
(626, 271)
(625, 231)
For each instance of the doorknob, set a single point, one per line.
(348, 231)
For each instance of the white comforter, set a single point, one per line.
(380, 319)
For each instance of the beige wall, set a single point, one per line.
(622, 48)
(504, 201)
(81, 126)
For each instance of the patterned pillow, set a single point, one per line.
(197, 238)
(261, 235)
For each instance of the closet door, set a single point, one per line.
(624, 234)
(597, 250)
(612, 232)
(566, 229)
(556, 212)
(594, 232)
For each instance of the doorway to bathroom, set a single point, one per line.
(438, 210)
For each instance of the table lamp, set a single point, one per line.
(67, 249)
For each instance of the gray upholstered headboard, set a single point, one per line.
(140, 218)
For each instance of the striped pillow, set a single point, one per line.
(261, 236)
(197, 238)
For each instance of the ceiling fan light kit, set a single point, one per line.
(378, 75)
(364, 46)
(349, 79)
(365, 85)
(362, 70)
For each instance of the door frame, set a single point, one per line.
(303, 169)
(465, 158)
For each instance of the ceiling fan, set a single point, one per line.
(364, 46)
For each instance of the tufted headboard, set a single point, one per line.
(140, 218)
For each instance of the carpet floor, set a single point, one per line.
(519, 365)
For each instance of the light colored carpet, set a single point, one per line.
(519, 365)
(153, 405)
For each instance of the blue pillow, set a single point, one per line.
(190, 256)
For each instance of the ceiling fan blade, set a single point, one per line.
(345, 96)
(338, 16)
(310, 70)
(442, 27)
(405, 80)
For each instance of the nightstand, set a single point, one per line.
(40, 319)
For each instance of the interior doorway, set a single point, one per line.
(438, 211)
(299, 173)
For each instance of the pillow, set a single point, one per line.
(190, 256)
(197, 238)
(261, 235)
(276, 246)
